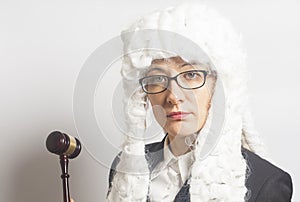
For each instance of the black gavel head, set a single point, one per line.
(63, 144)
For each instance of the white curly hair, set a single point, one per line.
(221, 175)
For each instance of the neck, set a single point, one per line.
(177, 144)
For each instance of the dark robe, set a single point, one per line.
(265, 183)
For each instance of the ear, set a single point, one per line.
(211, 84)
(209, 105)
(146, 102)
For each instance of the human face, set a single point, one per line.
(180, 112)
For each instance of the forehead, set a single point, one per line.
(175, 63)
(172, 60)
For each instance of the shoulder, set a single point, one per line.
(265, 181)
(112, 172)
(153, 153)
(150, 149)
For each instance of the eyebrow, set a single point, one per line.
(155, 69)
(186, 64)
(162, 70)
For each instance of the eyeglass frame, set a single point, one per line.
(205, 72)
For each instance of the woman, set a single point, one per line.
(191, 90)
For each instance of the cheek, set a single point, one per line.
(160, 115)
(155, 100)
(158, 111)
(202, 101)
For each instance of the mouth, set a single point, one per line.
(178, 115)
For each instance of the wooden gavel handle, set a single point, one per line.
(64, 162)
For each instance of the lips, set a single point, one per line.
(178, 115)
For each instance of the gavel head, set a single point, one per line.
(63, 144)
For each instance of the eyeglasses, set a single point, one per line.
(192, 79)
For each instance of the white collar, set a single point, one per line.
(180, 164)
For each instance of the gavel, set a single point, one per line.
(67, 147)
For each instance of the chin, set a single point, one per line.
(183, 131)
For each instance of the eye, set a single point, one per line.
(157, 79)
(192, 75)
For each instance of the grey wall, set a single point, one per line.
(43, 45)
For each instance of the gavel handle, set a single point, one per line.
(64, 162)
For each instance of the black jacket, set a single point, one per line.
(266, 183)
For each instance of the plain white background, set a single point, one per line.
(43, 45)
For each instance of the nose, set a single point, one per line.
(175, 95)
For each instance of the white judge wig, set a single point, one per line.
(219, 170)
